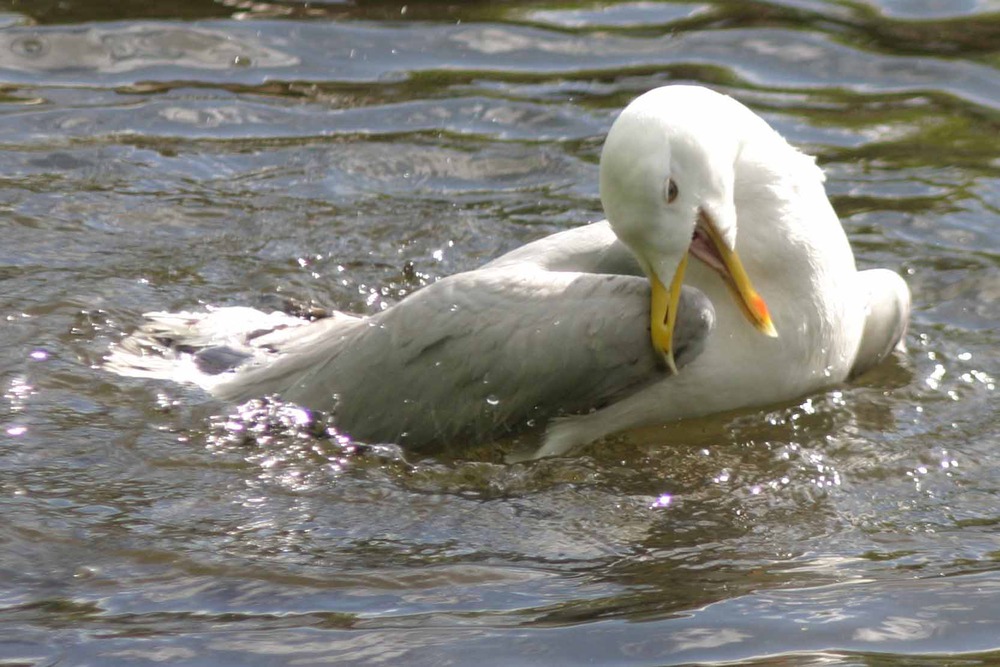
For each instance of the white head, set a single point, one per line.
(668, 171)
(678, 134)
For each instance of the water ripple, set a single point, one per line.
(340, 155)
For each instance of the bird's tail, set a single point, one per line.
(201, 348)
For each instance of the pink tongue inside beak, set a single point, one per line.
(702, 248)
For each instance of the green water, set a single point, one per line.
(173, 155)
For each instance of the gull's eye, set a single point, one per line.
(671, 191)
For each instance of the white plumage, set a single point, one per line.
(832, 320)
(560, 327)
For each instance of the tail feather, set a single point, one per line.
(200, 348)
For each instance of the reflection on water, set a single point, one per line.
(117, 49)
(342, 154)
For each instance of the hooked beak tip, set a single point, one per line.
(663, 314)
(761, 316)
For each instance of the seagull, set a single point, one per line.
(688, 167)
(644, 318)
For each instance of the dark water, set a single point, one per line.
(170, 155)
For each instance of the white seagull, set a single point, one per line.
(586, 332)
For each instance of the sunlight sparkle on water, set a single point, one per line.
(663, 500)
(19, 391)
(934, 379)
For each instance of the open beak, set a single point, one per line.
(708, 246)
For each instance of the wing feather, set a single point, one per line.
(481, 354)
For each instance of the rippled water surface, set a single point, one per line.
(169, 155)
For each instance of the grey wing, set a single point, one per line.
(592, 248)
(486, 353)
(887, 313)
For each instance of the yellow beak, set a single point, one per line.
(726, 262)
(663, 314)
(711, 249)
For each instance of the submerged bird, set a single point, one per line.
(594, 330)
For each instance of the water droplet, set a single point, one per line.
(299, 416)
(492, 400)
(242, 61)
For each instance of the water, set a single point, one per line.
(164, 156)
